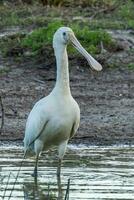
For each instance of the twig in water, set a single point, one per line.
(67, 190)
(48, 196)
(16, 177)
(6, 185)
(2, 115)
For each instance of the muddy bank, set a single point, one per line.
(106, 100)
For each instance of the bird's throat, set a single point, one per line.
(62, 80)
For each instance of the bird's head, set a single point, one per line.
(65, 35)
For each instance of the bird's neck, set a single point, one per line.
(62, 80)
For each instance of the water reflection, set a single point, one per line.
(95, 172)
(33, 190)
(60, 192)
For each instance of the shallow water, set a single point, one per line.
(96, 173)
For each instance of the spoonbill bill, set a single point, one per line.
(55, 118)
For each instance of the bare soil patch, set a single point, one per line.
(106, 99)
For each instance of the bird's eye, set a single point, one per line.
(64, 33)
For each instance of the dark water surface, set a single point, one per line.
(96, 173)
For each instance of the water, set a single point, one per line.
(96, 173)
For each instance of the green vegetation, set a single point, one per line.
(131, 66)
(11, 46)
(90, 21)
(106, 14)
(127, 10)
(89, 39)
(40, 37)
(4, 70)
(8, 16)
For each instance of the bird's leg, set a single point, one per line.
(61, 150)
(35, 173)
(60, 193)
(59, 168)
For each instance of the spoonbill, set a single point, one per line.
(55, 118)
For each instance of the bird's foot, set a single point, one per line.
(35, 174)
(58, 173)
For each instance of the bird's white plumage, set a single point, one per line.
(55, 118)
(59, 115)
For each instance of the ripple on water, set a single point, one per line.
(95, 173)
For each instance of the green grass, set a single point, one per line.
(126, 11)
(24, 15)
(40, 37)
(8, 44)
(90, 39)
(89, 32)
(8, 17)
(131, 66)
(4, 70)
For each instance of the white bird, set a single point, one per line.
(55, 118)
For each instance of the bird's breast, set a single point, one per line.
(62, 115)
(57, 130)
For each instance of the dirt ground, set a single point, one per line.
(106, 99)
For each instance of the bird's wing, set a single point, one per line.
(37, 120)
(74, 129)
(76, 120)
